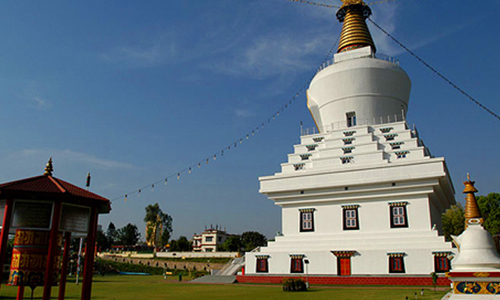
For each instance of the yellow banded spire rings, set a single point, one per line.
(355, 33)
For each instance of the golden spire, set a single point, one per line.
(471, 209)
(355, 33)
(49, 168)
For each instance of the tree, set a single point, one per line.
(453, 221)
(232, 243)
(128, 235)
(164, 238)
(434, 277)
(182, 244)
(490, 210)
(158, 226)
(111, 233)
(251, 239)
(102, 241)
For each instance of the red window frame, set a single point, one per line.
(262, 265)
(396, 264)
(297, 265)
(441, 264)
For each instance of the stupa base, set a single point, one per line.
(474, 285)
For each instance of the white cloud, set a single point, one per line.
(274, 54)
(160, 50)
(386, 19)
(31, 94)
(39, 102)
(243, 113)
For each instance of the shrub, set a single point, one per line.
(294, 285)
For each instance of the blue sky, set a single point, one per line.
(133, 92)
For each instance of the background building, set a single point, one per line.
(209, 240)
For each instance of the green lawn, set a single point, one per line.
(155, 287)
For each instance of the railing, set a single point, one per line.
(379, 56)
(359, 122)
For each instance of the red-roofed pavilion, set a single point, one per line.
(48, 204)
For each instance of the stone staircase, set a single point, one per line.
(227, 274)
(215, 279)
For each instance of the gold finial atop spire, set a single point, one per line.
(471, 208)
(49, 168)
(355, 33)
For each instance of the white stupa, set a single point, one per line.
(361, 194)
(476, 268)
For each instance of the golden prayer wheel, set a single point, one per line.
(29, 258)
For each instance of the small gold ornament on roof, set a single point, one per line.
(49, 168)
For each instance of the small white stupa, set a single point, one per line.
(475, 272)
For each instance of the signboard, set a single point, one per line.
(75, 218)
(32, 214)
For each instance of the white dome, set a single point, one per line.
(374, 90)
(477, 251)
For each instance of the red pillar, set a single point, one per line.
(64, 267)
(88, 264)
(4, 236)
(20, 292)
(54, 233)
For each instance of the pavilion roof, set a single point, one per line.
(47, 187)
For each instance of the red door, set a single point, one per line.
(344, 266)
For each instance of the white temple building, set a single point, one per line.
(362, 194)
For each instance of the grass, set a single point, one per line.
(152, 287)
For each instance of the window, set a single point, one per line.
(311, 147)
(396, 145)
(208, 239)
(348, 150)
(305, 156)
(441, 262)
(318, 139)
(401, 154)
(386, 129)
(396, 263)
(390, 137)
(349, 133)
(296, 264)
(346, 159)
(262, 264)
(348, 141)
(351, 119)
(298, 167)
(398, 214)
(351, 221)
(306, 220)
